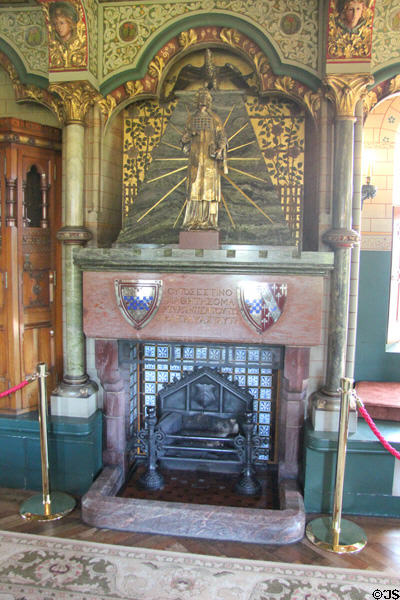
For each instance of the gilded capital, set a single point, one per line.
(76, 98)
(346, 90)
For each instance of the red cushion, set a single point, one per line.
(380, 398)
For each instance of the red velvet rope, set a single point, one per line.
(376, 431)
(15, 388)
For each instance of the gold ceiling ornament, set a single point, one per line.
(369, 101)
(76, 98)
(156, 67)
(349, 40)
(230, 37)
(9, 67)
(233, 38)
(107, 105)
(346, 90)
(187, 38)
(67, 34)
(290, 87)
(394, 85)
(269, 81)
(36, 94)
(31, 93)
(313, 102)
(134, 88)
(285, 84)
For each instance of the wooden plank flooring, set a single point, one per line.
(382, 552)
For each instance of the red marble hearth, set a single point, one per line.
(104, 321)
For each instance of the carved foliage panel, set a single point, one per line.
(292, 25)
(279, 127)
(92, 18)
(126, 28)
(25, 31)
(386, 47)
(144, 126)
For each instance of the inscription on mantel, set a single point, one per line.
(200, 306)
(205, 307)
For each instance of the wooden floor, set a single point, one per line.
(382, 552)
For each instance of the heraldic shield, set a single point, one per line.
(261, 304)
(138, 300)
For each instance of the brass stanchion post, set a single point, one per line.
(334, 534)
(46, 506)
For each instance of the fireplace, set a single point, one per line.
(255, 370)
(191, 315)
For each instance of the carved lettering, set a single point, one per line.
(200, 306)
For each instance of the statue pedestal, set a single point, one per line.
(199, 240)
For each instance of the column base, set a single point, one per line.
(325, 411)
(74, 400)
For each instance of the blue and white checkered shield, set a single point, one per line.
(138, 300)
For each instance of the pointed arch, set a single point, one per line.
(194, 39)
(11, 56)
(216, 19)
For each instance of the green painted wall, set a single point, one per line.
(372, 362)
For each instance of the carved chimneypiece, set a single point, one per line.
(199, 305)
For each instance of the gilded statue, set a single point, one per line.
(205, 141)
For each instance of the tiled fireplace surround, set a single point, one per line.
(298, 328)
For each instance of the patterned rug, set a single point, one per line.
(42, 568)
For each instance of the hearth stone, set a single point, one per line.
(102, 508)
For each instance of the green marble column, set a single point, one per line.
(341, 238)
(73, 234)
(355, 254)
(76, 395)
(344, 91)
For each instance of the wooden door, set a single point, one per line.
(31, 259)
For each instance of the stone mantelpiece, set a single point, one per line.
(204, 307)
(208, 272)
(297, 329)
(233, 259)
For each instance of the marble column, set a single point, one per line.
(355, 254)
(76, 395)
(344, 91)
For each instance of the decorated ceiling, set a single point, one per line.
(109, 43)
